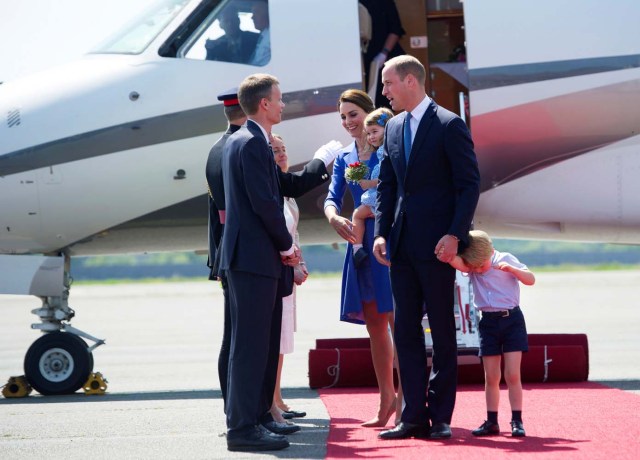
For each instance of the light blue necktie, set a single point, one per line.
(407, 137)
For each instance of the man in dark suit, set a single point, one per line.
(292, 185)
(428, 192)
(236, 118)
(257, 254)
(235, 45)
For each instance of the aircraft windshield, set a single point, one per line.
(139, 33)
(236, 31)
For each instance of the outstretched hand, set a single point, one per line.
(344, 228)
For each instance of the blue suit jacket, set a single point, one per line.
(255, 229)
(437, 192)
(292, 185)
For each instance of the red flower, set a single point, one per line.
(355, 172)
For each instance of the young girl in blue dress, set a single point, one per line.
(374, 128)
(366, 292)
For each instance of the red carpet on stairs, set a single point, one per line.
(563, 421)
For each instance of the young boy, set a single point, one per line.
(494, 276)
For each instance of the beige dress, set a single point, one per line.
(291, 215)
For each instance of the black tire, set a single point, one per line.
(84, 345)
(58, 363)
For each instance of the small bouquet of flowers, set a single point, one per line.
(355, 172)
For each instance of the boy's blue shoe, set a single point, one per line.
(487, 429)
(517, 429)
(359, 257)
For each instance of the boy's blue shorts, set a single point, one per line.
(503, 332)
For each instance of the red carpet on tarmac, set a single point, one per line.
(563, 421)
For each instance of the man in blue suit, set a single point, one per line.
(427, 195)
(292, 185)
(255, 244)
(257, 253)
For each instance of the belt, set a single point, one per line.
(500, 314)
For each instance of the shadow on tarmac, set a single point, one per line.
(297, 393)
(36, 398)
(627, 385)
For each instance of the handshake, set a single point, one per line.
(328, 152)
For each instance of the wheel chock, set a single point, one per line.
(16, 387)
(96, 384)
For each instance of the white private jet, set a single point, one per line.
(106, 155)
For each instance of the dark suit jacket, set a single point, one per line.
(255, 229)
(253, 188)
(237, 49)
(216, 199)
(437, 192)
(292, 185)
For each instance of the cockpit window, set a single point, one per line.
(139, 33)
(237, 31)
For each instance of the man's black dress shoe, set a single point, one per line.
(440, 431)
(255, 440)
(289, 414)
(517, 429)
(271, 433)
(280, 428)
(405, 430)
(487, 429)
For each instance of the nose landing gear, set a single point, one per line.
(60, 361)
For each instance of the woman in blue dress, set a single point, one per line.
(366, 291)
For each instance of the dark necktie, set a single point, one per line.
(407, 137)
(276, 168)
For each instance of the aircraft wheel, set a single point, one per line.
(58, 363)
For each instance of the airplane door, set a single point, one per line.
(447, 74)
(435, 35)
(20, 220)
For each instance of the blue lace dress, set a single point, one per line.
(371, 280)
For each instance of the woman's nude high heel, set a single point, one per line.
(381, 420)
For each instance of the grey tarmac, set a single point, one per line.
(163, 399)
